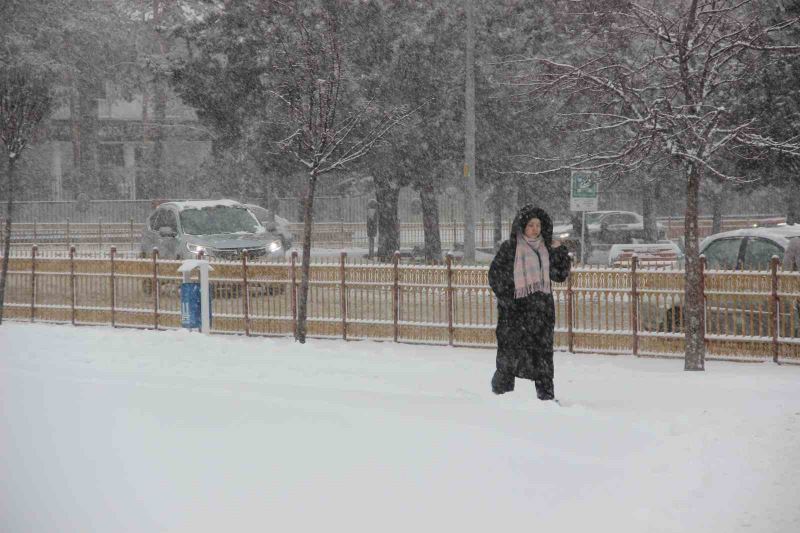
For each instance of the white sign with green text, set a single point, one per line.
(583, 191)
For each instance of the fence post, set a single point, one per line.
(132, 243)
(112, 289)
(155, 288)
(634, 304)
(35, 234)
(703, 292)
(450, 331)
(34, 249)
(100, 235)
(396, 294)
(294, 291)
(245, 295)
(343, 293)
(69, 237)
(775, 308)
(570, 334)
(72, 283)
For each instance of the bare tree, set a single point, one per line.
(25, 99)
(325, 128)
(667, 96)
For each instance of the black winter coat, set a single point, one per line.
(525, 325)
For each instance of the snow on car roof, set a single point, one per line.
(200, 204)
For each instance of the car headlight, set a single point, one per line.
(274, 246)
(196, 248)
(563, 235)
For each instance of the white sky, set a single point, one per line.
(122, 430)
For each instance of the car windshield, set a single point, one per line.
(260, 213)
(219, 219)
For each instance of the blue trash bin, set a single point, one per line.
(191, 316)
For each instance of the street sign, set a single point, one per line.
(583, 191)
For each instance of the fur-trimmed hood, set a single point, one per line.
(525, 214)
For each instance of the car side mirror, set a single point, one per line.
(166, 231)
(270, 226)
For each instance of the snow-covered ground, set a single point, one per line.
(105, 430)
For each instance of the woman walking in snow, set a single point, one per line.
(520, 276)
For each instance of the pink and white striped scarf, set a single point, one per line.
(531, 267)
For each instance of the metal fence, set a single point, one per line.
(749, 315)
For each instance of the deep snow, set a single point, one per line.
(120, 430)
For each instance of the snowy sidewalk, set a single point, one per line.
(121, 430)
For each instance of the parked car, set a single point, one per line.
(747, 248)
(273, 223)
(222, 229)
(728, 310)
(609, 227)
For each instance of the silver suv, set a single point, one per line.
(747, 248)
(222, 229)
(729, 310)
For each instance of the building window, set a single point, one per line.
(110, 155)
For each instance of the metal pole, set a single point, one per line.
(583, 237)
(469, 136)
(341, 220)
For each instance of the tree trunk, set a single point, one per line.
(496, 199)
(7, 233)
(302, 297)
(387, 193)
(716, 211)
(523, 192)
(793, 198)
(693, 309)
(89, 182)
(649, 197)
(75, 136)
(430, 223)
(497, 223)
(157, 182)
